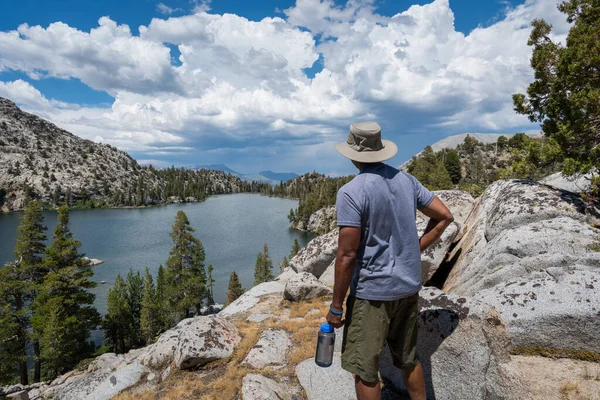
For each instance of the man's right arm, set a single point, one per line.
(439, 219)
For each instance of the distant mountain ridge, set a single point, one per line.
(270, 177)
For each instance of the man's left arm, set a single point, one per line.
(345, 263)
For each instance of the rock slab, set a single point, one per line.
(304, 286)
(463, 348)
(259, 387)
(270, 350)
(251, 298)
(331, 383)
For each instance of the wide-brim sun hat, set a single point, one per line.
(365, 145)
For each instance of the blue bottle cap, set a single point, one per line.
(326, 328)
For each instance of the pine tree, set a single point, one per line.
(295, 248)
(13, 325)
(565, 94)
(234, 287)
(185, 269)
(210, 299)
(135, 292)
(268, 265)
(452, 165)
(164, 316)
(150, 322)
(28, 252)
(259, 269)
(284, 264)
(116, 322)
(65, 292)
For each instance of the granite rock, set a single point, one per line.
(305, 286)
(270, 350)
(316, 256)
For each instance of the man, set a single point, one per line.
(379, 259)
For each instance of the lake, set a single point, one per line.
(233, 229)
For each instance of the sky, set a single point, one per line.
(269, 85)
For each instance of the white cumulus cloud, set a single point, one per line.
(239, 84)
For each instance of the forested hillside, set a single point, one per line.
(38, 160)
(314, 191)
(473, 165)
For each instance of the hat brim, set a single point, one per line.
(389, 150)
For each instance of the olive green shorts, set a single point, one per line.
(369, 325)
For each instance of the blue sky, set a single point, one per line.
(270, 84)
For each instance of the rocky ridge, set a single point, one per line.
(51, 164)
(522, 267)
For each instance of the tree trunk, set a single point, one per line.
(23, 372)
(38, 365)
(23, 363)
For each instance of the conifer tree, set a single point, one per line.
(116, 323)
(452, 165)
(259, 269)
(234, 287)
(210, 299)
(64, 296)
(295, 248)
(284, 264)
(135, 292)
(150, 322)
(161, 300)
(185, 275)
(30, 269)
(13, 325)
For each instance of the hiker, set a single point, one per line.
(379, 258)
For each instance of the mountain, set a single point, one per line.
(278, 176)
(217, 167)
(42, 161)
(270, 177)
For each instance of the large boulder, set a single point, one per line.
(316, 256)
(259, 387)
(270, 350)
(458, 202)
(251, 298)
(101, 384)
(528, 252)
(328, 277)
(463, 348)
(304, 286)
(193, 342)
(577, 183)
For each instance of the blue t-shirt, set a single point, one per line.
(382, 201)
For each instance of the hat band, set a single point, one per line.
(361, 144)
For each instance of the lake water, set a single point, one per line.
(233, 229)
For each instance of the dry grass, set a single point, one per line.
(222, 380)
(568, 388)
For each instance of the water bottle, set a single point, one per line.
(325, 344)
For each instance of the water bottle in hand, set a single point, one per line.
(325, 344)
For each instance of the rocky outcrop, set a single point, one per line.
(193, 342)
(463, 348)
(304, 286)
(332, 383)
(316, 256)
(259, 387)
(270, 350)
(320, 222)
(528, 252)
(251, 298)
(578, 183)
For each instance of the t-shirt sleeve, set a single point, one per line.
(423, 195)
(348, 210)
